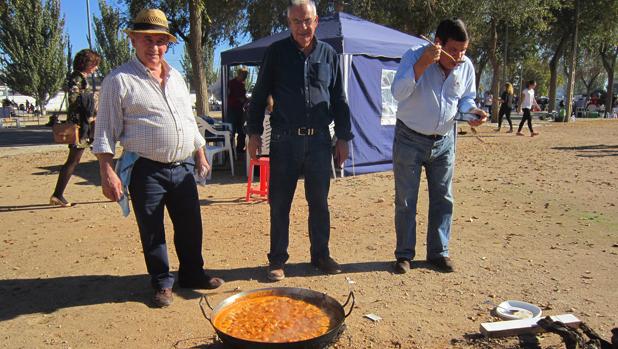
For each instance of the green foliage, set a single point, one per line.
(211, 73)
(223, 20)
(32, 58)
(265, 17)
(112, 44)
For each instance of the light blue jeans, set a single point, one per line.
(412, 151)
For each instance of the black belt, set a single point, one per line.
(300, 131)
(164, 164)
(432, 137)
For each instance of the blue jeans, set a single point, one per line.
(153, 187)
(412, 151)
(290, 157)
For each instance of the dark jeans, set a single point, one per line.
(527, 117)
(155, 186)
(291, 156)
(505, 111)
(237, 119)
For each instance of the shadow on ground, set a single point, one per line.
(46, 206)
(592, 151)
(26, 136)
(47, 295)
(87, 171)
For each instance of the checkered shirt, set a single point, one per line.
(153, 121)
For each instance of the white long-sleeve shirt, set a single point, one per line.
(429, 105)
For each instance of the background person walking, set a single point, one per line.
(81, 110)
(506, 107)
(527, 101)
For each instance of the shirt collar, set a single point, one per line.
(314, 42)
(142, 68)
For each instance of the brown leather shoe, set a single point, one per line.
(327, 265)
(203, 282)
(163, 298)
(443, 264)
(401, 266)
(275, 273)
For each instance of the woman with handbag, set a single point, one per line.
(81, 111)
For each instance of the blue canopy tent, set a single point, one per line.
(369, 56)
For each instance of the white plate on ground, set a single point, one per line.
(517, 310)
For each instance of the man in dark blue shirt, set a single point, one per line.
(304, 78)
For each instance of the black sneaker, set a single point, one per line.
(443, 264)
(327, 265)
(401, 266)
(202, 282)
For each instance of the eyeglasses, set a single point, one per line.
(299, 22)
(164, 41)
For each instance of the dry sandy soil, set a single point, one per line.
(535, 220)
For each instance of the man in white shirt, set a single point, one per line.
(145, 105)
(526, 101)
(433, 84)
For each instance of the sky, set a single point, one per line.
(76, 26)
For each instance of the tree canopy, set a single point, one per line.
(112, 43)
(32, 44)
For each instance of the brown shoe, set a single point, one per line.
(401, 266)
(203, 282)
(443, 264)
(275, 273)
(327, 265)
(163, 298)
(534, 134)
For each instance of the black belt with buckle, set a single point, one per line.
(164, 164)
(299, 131)
(305, 131)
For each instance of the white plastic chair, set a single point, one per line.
(211, 150)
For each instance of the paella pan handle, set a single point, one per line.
(350, 296)
(204, 301)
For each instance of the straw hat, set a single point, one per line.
(151, 21)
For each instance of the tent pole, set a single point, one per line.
(224, 73)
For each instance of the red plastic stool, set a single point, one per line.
(264, 163)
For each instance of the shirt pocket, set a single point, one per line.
(320, 73)
(455, 90)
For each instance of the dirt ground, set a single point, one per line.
(535, 220)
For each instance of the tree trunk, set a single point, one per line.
(196, 53)
(553, 70)
(493, 59)
(609, 63)
(589, 84)
(478, 72)
(571, 84)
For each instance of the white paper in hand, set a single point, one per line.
(124, 205)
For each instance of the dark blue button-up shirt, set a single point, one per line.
(307, 90)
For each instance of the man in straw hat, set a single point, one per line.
(145, 105)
